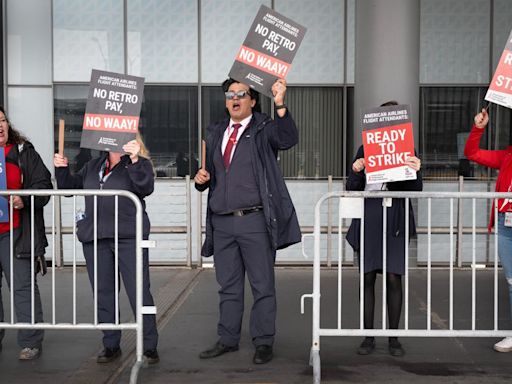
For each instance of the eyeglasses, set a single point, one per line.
(230, 95)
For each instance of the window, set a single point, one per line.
(169, 125)
(69, 105)
(318, 113)
(446, 117)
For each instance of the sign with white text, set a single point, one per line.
(112, 113)
(388, 141)
(268, 50)
(500, 89)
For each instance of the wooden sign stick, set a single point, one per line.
(203, 154)
(61, 137)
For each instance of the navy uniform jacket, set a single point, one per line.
(137, 178)
(269, 137)
(373, 223)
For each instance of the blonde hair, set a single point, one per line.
(144, 152)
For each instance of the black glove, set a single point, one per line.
(41, 265)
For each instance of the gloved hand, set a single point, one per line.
(41, 265)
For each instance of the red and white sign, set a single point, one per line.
(267, 51)
(388, 141)
(500, 89)
(112, 112)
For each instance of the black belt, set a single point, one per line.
(243, 212)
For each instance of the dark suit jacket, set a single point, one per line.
(269, 137)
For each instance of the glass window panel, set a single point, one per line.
(318, 113)
(69, 104)
(34, 118)
(502, 26)
(454, 41)
(87, 35)
(162, 40)
(500, 126)
(446, 117)
(29, 40)
(169, 125)
(351, 41)
(224, 25)
(351, 151)
(320, 57)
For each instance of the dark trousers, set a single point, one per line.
(106, 286)
(27, 338)
(242, 244)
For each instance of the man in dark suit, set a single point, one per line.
(250, 214)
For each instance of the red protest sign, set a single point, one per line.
(388, 141)
(500, 89)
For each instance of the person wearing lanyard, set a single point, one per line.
(250, 213)
(373, 243)
(501, 160)
(131, 172)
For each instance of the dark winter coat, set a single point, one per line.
(267, 137)
(373, 223)
(35, 175)
(137, 178)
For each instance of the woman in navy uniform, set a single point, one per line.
(395, 266)
(132, 172)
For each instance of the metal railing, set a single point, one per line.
(183, 186)
(140, 243)
(351, 205)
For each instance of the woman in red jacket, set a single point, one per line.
(502, 160)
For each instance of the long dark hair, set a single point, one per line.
(254, 95)
(15, 136)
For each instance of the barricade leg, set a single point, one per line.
(134, 373)
(314, 361)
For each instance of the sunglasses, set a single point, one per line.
(230, 95)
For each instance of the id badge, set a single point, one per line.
(508, 219)
(388, 202)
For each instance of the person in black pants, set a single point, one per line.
(250, 214)
(24, 169)
(132, 172)
(373, 244)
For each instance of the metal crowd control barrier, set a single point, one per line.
(351, 205)
(141, 310)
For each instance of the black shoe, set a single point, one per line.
(151, 356)
(395, 348)
(263, 354)
(367, 346)
(108, 355)
(217, 350)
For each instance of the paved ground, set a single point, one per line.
(187, 303)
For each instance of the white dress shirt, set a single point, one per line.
(229, 130)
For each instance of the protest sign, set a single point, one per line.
(500, 89)
(268, 50)
(388, 141)
(4, 211)
(112, 113)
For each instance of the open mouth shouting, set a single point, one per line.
(239, 102)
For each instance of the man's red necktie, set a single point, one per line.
(231, 143)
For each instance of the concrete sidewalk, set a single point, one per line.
(188, 309)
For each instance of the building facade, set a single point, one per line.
(185, 48)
